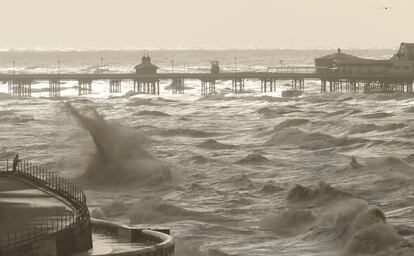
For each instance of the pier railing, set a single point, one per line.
(51, 182)
(293, 70)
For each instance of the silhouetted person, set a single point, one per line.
(15, 163)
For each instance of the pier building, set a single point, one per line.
(215, 68)
(403, 60)
(363, 66)
(327, 64)
(146, 85)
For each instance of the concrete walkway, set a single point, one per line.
(22, 206)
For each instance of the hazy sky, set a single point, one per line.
(205, 23)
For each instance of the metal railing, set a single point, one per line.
(293, 69)
(57, 185)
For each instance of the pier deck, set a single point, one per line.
(196, 76)
(19, 84)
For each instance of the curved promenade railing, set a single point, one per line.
(76, 222)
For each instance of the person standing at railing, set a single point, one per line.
(15, 163)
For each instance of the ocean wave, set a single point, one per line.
(6, 113)
(358, 228)
(194, 248)
(376, 115)
(213, 144)
(186, 87)
(271, 112)
(323, 192)
(16, 119)
(187, 133)
(389, 167)
(290, 123)
(291, 93)
(134, 102)
(4, 96)
(155, 210)
(289, 221)
(120, 156)
(327, 97)
(297, 137)
(253, 159)
(150, 113)
(270, 188)
(409, 109)
(240, 180)
(110, 210)
(199, 159)
(344, 112)
(364, 128)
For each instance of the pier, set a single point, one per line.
(20, 84)
(337, 72)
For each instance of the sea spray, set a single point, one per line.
(324, 211)
(119, 156)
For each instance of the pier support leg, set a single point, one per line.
(208, 86)
(85, 87)
(54, 88)
(115, 85)
(20, 88)
(264, 82)
(238, 85)
(177, 86)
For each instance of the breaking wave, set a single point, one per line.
(357, 227)
(119, 156)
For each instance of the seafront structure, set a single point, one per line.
(338, 72)
(69, 231)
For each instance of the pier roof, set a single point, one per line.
(145, 64)
(338, 56)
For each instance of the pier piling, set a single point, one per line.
(20, 88)
(177, 86)
(208, 86)
(268, 81)
(115, 85)
(151, 86)
(54, 88)
(238, 85)
(85, 87)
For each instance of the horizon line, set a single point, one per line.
(99, 49)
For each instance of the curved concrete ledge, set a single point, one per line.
(62, 237)
(160, 243)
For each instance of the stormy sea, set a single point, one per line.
(229, 174)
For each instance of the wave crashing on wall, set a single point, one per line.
(120, 155)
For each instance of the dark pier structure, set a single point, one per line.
(337, 72)
(146, 85)
(20, 87)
